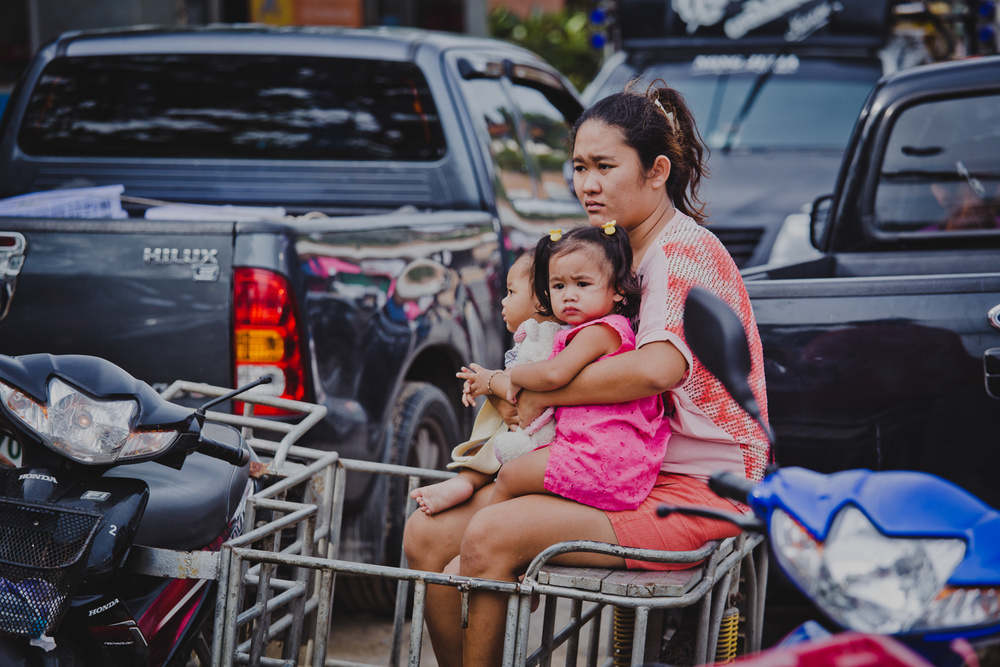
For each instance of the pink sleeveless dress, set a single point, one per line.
(607, 456)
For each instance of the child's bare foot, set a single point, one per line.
(443, 495)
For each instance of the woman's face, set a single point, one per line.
(609, 179)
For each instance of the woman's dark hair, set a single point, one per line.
(658, 122)
(615, 248)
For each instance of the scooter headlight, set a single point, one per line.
(870, 582)
(85, 429)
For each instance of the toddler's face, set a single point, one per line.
(580, 287)
(519, 304)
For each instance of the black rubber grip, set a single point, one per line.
(728, 485)
(238, 456)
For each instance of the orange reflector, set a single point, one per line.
(259, 345)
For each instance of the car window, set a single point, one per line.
(490, 105)
(941, 168)
(546, 134)
(233, 106)
(789, 102)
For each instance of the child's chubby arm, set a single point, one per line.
(588, 345)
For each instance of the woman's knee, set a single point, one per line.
(487, 550)
(423, 544)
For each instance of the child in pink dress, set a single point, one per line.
(606, 456)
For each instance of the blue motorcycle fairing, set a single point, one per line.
(899, 503)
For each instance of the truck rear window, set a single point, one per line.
(232, 106)
(941, 169)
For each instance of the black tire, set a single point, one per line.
(424, 431)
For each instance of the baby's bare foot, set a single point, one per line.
(443, 495)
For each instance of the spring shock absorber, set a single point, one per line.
(624, 630)
(725, 648)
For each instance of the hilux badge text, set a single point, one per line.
(203, 261)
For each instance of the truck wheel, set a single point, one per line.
(424, 431)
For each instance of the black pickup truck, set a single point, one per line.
(883, 353)
(394, 175)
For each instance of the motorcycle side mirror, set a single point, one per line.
(716, 336)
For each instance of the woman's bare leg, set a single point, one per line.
(431, 543)
(521, 476)
(500, 542)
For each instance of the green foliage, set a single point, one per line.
(562, 38)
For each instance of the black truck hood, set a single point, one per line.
(759, 189)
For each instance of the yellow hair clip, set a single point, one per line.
(609, 227)
(555, 235)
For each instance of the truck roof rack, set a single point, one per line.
(717, 24)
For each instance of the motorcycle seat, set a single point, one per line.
(190, 508)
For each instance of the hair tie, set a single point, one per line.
(609, 227)
(669, 115)
(555, 235)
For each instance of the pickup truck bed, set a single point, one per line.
(871, 366)
(89, 286)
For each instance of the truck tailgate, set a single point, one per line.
(884, 372)
(153, 297)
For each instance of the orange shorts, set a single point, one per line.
(677, 532)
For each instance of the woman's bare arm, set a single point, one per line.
(652, 369)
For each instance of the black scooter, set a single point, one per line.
(107, 463)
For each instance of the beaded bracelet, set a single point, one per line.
(489, 382)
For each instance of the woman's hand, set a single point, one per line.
(508, 413)
(530, 405)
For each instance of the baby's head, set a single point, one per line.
(610, 255)
(520, 303)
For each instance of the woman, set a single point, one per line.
(638, 160)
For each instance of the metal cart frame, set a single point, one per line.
(276, 581)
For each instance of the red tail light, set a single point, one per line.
(266, 336)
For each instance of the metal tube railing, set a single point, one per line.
(259, 601)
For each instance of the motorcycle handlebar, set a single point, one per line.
(238, 456)
(728, 485)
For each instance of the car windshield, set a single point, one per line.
(233, 106)
(763, 102)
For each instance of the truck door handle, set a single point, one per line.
(994, 316)
(12, 247)
(991, 371)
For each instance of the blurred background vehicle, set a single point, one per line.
(775, 97)
(776, 89)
